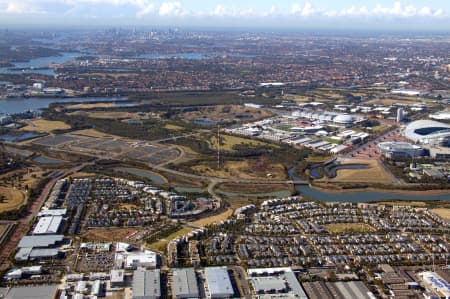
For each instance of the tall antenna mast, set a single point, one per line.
(218, 147)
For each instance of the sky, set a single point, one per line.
(349, 14)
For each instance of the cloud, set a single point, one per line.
(408, 11)
(20, 7)
(177, 8)
(304, 11)
(219, 11)
(397, 10)
(171, 9)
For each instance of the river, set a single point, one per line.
(17, 105)
(360, 196)
(39, 65)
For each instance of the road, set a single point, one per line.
(23, 225)
(224, 180)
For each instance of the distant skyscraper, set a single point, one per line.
(400, 115)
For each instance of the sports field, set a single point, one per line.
(349, 227)
(44, 126)
(442, 212)
(11, 199)
(373, 174)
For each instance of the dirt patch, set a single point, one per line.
(248, 169)
(213, 219)
(109, 234)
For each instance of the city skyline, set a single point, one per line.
(357, 14)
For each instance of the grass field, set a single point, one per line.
(349, 227)
(297, 98)
(374, 174)
(229, 141)
(252, 188)
(82, 175)
(173, 127)
(392, 101)
(317, 159)
(110, 114)
(404, 203)
(44, 126)
(225, 113)
(379, 129)
(248, 169)
(161, 245)
(14, 199)
(108, 234)
(104, 114)
(91, 133)
(213, 219)
(91, 106)
(442, 212)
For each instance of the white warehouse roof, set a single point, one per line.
(219, 284)
(443, 115)
(48, 225)
(39, 241)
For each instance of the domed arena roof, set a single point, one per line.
(344, 119)
(425, 131)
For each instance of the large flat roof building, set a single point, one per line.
(40, 241)
(147, 284)
(33, 292)
(349, 289)
(435, 284)
(219, 283)
(184, 284)
(48, 225)
(52, 212)
(400, 150)
(35, 247)
(276, 283)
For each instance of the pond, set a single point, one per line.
(46, 160)
(203, 122)
(332, 172)
(154, 177)
(11, 137)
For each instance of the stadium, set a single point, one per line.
(428, 132)
(400, 150)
